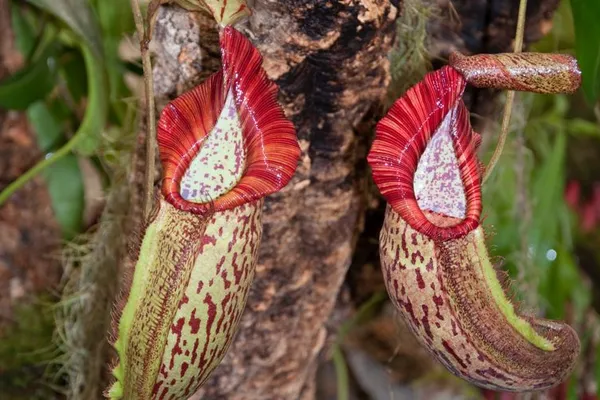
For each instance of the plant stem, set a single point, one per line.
(36, 169)
(93, 122)
(341, 369)
(150, 107)
(363, 311)
(341, 373)
(510, 96)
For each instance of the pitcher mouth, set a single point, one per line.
(227, 142)
(414, 167)
(424, 163)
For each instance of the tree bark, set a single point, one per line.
(330, 61)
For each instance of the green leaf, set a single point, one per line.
(116, 70)
(586, 17)
(30, 84)
(582, 127)
(65, 185)
(89, 135)
(80, 17)
(74, 73)
(24, 32)
(47, 129)
(561, 284)
(547, 191)
(116, 18)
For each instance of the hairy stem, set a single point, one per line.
(510, 96)
(151, 111)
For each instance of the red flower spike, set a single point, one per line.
(419, 120)
(236, 109)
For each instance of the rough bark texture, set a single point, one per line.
(329, 59)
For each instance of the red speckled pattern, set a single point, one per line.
(270, 146)
(219, 163)
(432, 249)
(417, 289)
(403, 136)
(440, 290)
(212, 304)
(530, 72)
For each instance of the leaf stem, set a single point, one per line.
(93, 120)
(36, 169)
(150, 107)
(341, 369)
(510, 96)
(341, 373)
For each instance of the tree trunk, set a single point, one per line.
(330, 61)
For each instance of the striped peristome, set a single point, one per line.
(224, 146)
(434, 259)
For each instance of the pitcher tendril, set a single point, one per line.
(510, 95)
